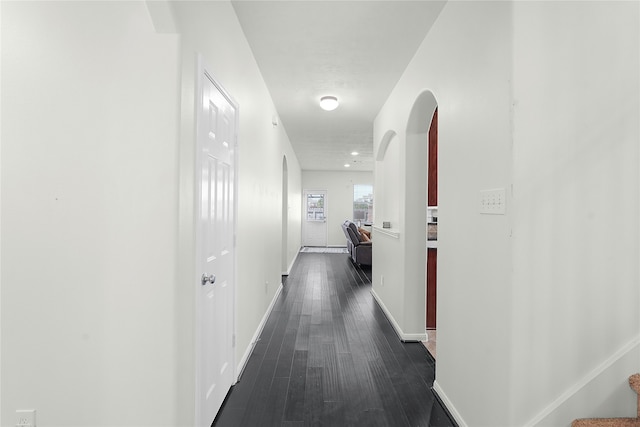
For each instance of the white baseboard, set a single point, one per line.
(449, 404)
(256, 335)
(405, 337)
(556, 406)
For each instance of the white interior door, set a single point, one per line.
(215, 296)
(315, 221)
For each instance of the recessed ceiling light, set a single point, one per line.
(328, 103)
(347, 165)
(354, 153)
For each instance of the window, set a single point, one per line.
(315, 207)
(363, 203)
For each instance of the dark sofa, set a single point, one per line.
(359, 250)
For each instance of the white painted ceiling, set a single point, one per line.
(355, 50)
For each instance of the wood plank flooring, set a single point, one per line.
(328, 356)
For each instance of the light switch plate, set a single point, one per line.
(493, 202)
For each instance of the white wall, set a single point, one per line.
(388, 178)
(466, 63)
(339, 186)
(293, 220)
(576, 207)
(97, 206)
(388, 253)
(89, 197)
(0, 220)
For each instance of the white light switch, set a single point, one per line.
(493, 202)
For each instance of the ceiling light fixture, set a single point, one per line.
(347, 165)
(328, 103)
(354, 153)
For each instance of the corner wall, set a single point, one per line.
(576, 236)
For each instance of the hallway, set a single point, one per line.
(329, 357)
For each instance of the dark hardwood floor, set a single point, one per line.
(328, 356)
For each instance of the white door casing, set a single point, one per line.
(315, 218)
(215, 245)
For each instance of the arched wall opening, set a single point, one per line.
(415, 208)
(387, 180)
(285, 215)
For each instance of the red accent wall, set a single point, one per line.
(432, 200)
(432, 187)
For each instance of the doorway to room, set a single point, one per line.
(284, 264)
(432, 234)
(420, 212)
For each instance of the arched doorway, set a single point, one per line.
(416, 212)
(432, 234)
(386, 181)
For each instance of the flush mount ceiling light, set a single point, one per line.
(347, 165)
(354, 153)
(328, 103)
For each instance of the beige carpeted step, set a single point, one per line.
(634, 383)
(607, 422)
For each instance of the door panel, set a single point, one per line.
(215, 301)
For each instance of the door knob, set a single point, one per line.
(208, 279)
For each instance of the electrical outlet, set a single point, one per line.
(26, 418)
(493, 202)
